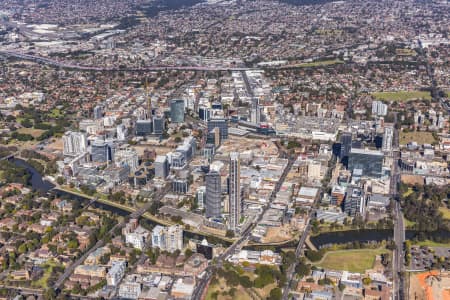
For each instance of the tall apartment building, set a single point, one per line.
(122, 132)
(74, 143)
(379, 108)
(235, 204)
(201, 195)
(98, 112)
(167, 238)
(127, 158)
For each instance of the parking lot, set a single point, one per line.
(423, 258)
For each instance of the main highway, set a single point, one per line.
(67, 65)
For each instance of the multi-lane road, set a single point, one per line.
(398, 257)
(298, 250)
(399, 228)
(67, 65)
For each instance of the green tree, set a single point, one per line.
(76, 289)
(275, 294)
(245, 282)
(229, 234)
(303, 269)
(22, 248)
(26, 123)
(314, 255)
(188, 253)
(49, 294)
(72, 244)
(60, 180)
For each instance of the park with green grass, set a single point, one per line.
(421, 137)
(320, 63)
(402, 96)
(358, 260)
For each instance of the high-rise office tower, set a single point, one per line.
(99, 151)
(74, 143)
(112, 148)
(177, 111)
(144, 127)
(158, 125)
(221, 124)
(149, 102)
(354, 203)
(161, 166)
(235, 204)
(346, 145)
(213, 199)
(204, 113)
(180, 186)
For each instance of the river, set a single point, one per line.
(370, 235)
(121, 212)
(37, 182)
(338, 237)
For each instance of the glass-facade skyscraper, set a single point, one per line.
(144, 127)
(346, 145)
(213, 201)
(221, 124)
(370, 162)
(158, 125)
(177, 111)
(99, 151)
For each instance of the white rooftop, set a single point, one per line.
(308, 191)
